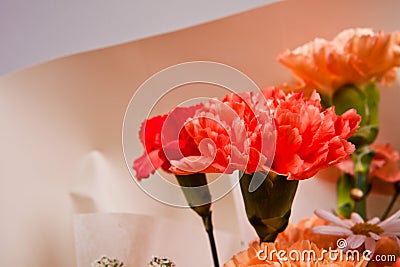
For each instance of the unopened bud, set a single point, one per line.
(356, 194)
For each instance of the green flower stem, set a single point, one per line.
(391, 204)
(345, 204)
(209, 229)
(197, 194)
(362, 158)
(365, 100)
(268, 208)
(361, 182)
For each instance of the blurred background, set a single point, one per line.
(68, 71)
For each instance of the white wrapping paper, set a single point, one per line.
(60, 138)
(135, 239)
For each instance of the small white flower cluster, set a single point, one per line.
(107, 262)
(161, 262)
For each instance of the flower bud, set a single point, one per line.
(356, 194)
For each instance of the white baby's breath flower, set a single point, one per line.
(161, 262)
(107, 262)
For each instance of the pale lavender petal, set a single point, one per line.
(392, 227)
(331, 230)
(329, 217)
(374, 236)
(388, 234)
(391, 235)
(395, 216)
(354, 241)
(356, 218)
(370, 244)
(374, 220)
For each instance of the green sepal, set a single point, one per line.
(196, 192)
(347, 97)
(268, 208)
(365, 100)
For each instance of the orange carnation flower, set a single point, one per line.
(302, 231)
(261, 256)
(354, 56)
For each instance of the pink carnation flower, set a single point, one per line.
(238, 133)
(308, 138)
(384, 164)
(233, 134)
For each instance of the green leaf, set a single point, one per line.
(365, 135)
(362, 159)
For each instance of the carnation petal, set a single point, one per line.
(147, 164)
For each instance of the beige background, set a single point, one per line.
(62, 121)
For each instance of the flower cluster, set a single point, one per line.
(284, 137)
(242, 132)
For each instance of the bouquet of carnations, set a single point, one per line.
(281, 135)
